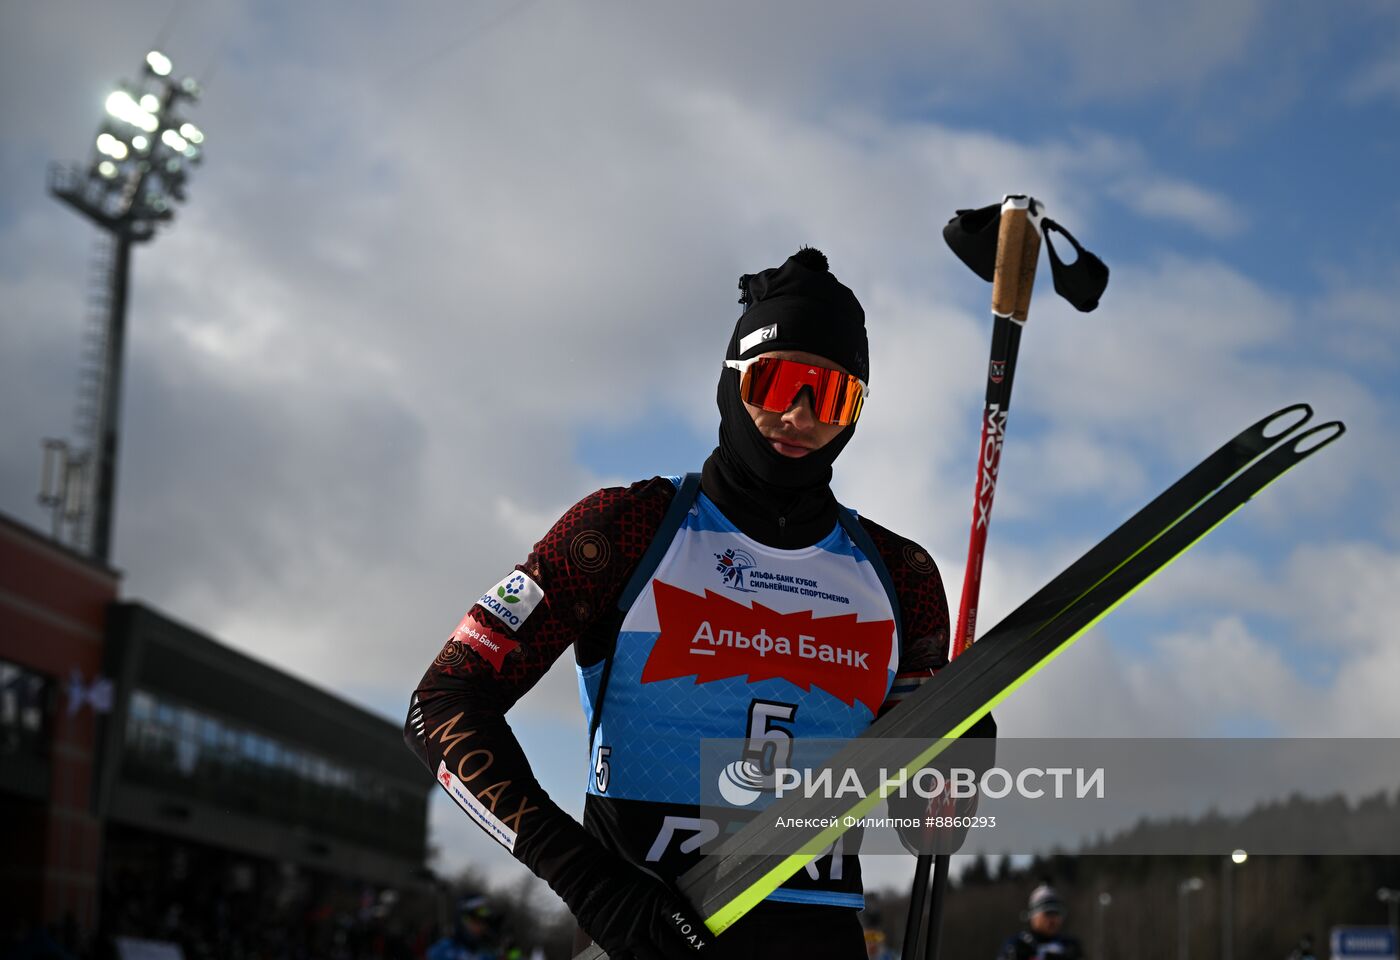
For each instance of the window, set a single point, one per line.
(24, 709)
(167, 740)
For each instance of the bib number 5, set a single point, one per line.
(769, 744)
(602, 772)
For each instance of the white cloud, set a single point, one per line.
(1070, 462)
(1354, 317)
(1346, 596)
(1377, 79)
(1164, 198)
(1095, 51)
(1189, 684)
(1225, 672)
(1361, 701)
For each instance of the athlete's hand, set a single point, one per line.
(634, 916)
(976, 751)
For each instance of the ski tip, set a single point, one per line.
(1263, 426)
(1333, 429)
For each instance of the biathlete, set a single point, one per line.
(758, 609)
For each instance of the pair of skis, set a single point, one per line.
(744, 870)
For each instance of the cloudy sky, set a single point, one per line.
(446, 271)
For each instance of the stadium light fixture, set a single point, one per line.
(110, 146)
(1236, 858)
(1100, 908)
(137, 174)
(159, 63)
(1183, 938)
(1391, 899)
(174, 141)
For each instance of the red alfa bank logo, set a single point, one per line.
(711, 637)
(489, 643)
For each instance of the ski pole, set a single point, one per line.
(1018, 247)
(1017, 251)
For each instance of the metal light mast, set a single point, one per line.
(137, 174)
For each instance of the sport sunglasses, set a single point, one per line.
(774, 384)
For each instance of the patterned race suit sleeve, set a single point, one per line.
(923, 605)
(924, 612)
(456, 723)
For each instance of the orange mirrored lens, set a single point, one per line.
(774, 384)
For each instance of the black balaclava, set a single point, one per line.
(784, 501)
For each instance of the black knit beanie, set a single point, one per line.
(801, 306)
(798, 306)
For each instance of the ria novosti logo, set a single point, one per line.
(741, 782)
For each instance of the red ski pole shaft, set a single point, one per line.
(1018, 248)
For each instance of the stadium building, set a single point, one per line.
(157, 783)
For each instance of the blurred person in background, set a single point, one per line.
(474, 933)
(1304, 949)
(1044, 939)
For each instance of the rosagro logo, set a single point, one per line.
(513, 599)
(734, 566)
(510, 590)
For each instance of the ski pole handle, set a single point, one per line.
(1018, 250)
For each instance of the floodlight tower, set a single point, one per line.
(136, 175)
